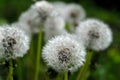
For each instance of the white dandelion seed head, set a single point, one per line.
(13, 43)
(60, 7)
(32, 19)
(54, 25)
(23, 26)
(94, 34)
(43, 8)
(64, 53)
(74, 13)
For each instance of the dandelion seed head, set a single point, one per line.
(64, 53)
(75, 13)
(60, 7)
(43, 8)
(54, 25)
(13, 43)
(95, 34)
(32, 19)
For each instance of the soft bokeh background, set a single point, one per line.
(108, 65)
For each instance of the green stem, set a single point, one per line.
(86, 75)
(31, 48)
(59, 77)
(85, 67)
(30, 60)
(66, 75)
(19, 69)
(10, 74)
(38, 54)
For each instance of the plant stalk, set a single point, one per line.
(38, 55)
(84, 69)
(10, 74)
(66, 75)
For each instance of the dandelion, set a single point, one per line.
(64, 53)
(60, 7)
(13, 43)
(54, 25)
(32, 19)
(75, 13)
(43, 8)
(72, 13)
(95, 34)
(36, 15)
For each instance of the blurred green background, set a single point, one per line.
(108, 67)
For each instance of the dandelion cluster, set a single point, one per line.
(64, 46)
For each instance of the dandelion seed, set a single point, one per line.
(64, 53)
(95, 34)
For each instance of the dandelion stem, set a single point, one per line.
(85, 67)
(66, 75)
(10, 74)
(19, 69)
(38, 54)
(31, 47)
(31, 59)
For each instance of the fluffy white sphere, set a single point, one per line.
(74, 13)
(43, 8)
(94, 34)
(32, 19)
(13, 42)
(54, 25)
(64, 53)
(60, 7)
(36, 15)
